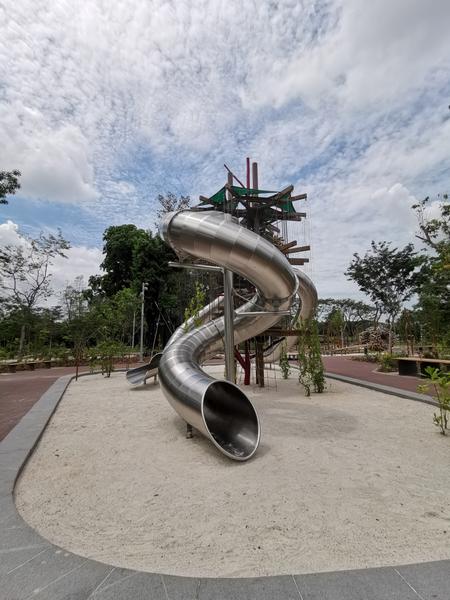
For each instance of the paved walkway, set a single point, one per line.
(20, 391)
(365, 371)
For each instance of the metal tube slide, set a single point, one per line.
(218, 408)
(307, 295)
(139, 375)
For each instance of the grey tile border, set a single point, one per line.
(373, 584)
(431, 581)
(32, 567)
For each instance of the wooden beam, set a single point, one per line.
(298, 261)
(297, 249)
(276, 332)
(299, 197)
(293, 216)
(288, 245)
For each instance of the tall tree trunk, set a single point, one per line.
(391, 327)
(22, 339)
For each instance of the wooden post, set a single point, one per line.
(248, 364)
(259, 359)
(255, 175)
(228, 196)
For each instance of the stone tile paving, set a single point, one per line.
(33, 568)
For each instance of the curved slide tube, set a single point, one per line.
(308, 298)
(139, 375)
(218, 408)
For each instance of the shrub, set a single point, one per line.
(284, 362)
(440, 382)
(311, 371)
(387, 362)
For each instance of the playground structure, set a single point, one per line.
(232, 232)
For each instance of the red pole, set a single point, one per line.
(247, 364)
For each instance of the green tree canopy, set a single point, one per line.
(9, 183)
(433, 307)
(389, 276)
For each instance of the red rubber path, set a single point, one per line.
(343, 365)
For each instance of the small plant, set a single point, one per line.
(311, 372)
(195, 305)
(284, 362)
(440, 381)
(387, 362)
(107, 351)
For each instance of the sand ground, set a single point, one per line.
(346, 479)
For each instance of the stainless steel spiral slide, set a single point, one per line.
(218, 408)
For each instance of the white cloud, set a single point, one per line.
(54, 162)
(80, 261)
(9, 234)
(106, 105)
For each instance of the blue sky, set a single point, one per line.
(105, 105)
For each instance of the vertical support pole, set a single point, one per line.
(134, 329)
(228, 313)
(141, 348)
(248, 173)
(255, 205)
(229, 198)
(255, 175)
(247, 362)
(259, 358)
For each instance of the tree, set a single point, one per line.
(24, 269)
(9, 183)
(119, 249)
(170, 203)
(133, 256)
(434, 295)
(343, 316)
(25, 274)
(435, 232)
(389, 277)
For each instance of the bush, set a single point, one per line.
(311, 371)
(387, 362)
(284, 362)
(440, 381)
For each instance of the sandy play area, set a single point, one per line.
(346, 479)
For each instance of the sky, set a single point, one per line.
(104, 105)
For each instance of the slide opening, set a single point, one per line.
(231, 420)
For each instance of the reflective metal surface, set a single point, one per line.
(139, 375)
(219, 409)
(307, 296)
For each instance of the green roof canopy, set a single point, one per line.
(219, 198)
